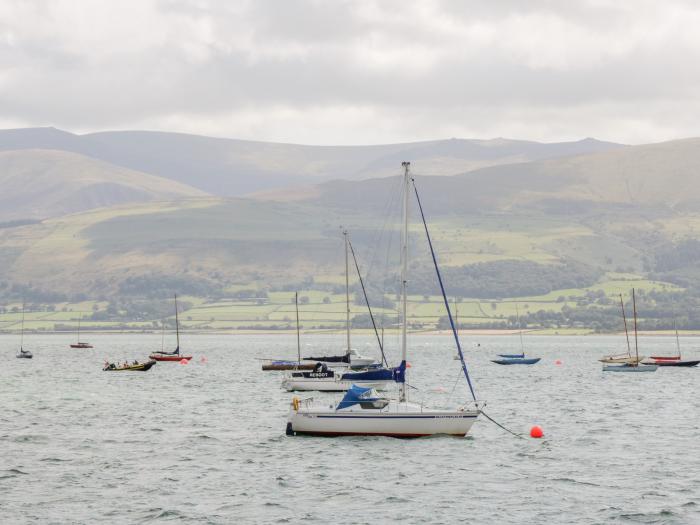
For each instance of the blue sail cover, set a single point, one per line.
(397, 374)
(355, 395)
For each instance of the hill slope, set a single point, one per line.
(227, 167)
(655, 175)
(37, 184)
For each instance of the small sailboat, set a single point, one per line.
(325, 380)
(516, 359)
(633, 366)
(281, 364)
(79, 343)
(627, 358)
(362, 412)
(129, 367)
(175, 354)
(676, 360)
(351, 358)
(23, 354)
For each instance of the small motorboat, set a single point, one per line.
(24, 354)
(516, 361)
(126, 367)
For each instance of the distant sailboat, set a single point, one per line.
(23, 354)
(274, 365)
(175, 354)
(351, 357)
(325, 380)
(516, 359)
(634, 366)
(80, 344)
(672, 360)
(623, 358)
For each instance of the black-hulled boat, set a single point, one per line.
(133, 367)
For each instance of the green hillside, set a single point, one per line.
(562, 238)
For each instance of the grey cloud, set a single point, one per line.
(287, 70)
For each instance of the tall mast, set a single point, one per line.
(296, 304)
(678, 343)
(404, 272)
(636, 346)
(347, 289)
(79, 319)
(21, 337)
(627, 335)
(520, 330)
(177, 325)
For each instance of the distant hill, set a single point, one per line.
(37, 184)
(228, 167)
(654, 175)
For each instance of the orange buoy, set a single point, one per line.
(536, 432)
(184, 361)
(408, 365)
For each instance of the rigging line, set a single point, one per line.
(369, 308)
(442, 289)
(520, 436)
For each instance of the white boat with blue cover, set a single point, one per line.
(321, 379)
(362, 412)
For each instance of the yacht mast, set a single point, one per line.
(404, 272)
(347, 289)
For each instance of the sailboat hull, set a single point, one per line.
(516, 361)
(629, 368)
(178, 358)
(331, 384)
(389, 423)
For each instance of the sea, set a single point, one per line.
(205, 442)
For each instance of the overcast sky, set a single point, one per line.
(355, 72)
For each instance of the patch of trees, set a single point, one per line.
(507, 278)
(162, 286)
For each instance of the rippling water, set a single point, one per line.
(205, 443)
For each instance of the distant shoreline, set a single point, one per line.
(364, 332)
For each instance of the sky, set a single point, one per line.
(355, 72)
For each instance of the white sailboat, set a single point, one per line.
(362, 412)
(627, 358)
(322, 379)
(634, 366)
(351, 358)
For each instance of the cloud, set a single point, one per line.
(354, 71)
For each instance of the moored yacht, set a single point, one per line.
(362, 412)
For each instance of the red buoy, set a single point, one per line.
(184, 361)
(536, 432)
(557, 362)
(203, 359)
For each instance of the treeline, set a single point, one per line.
(506, 278)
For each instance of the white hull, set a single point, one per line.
(629, 368)
(621, 360)
(328, 384)
(395, 420)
